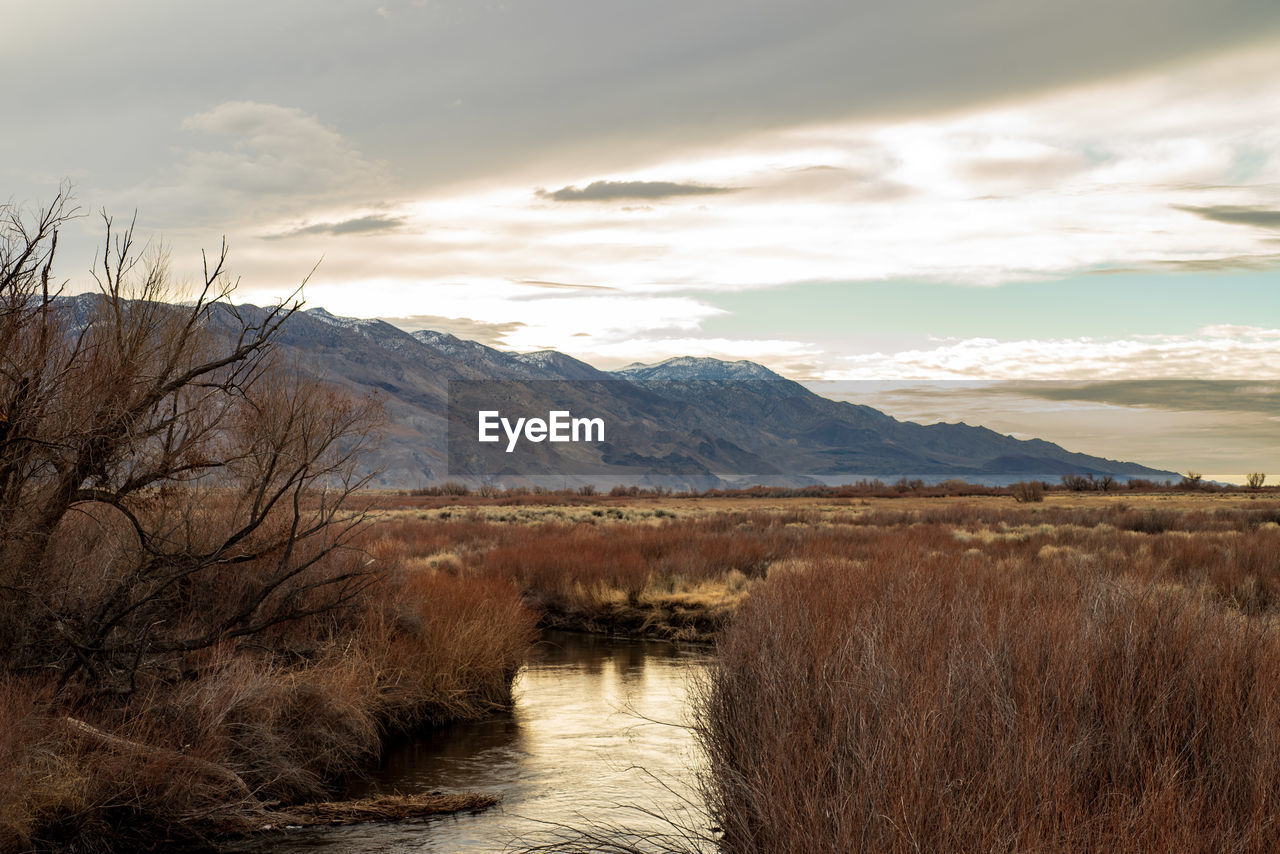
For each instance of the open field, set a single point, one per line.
(959, 673)
(677, 567)
(1087, 673)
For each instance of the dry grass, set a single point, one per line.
(37, 782)
(1063, 688)
(1088, 672)
(281, 717)
(443, 647)
(678, 567)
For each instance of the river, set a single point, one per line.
(597, 737)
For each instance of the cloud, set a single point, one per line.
(1105, 177)
(605, 191)
(540, 323)
(565, 286)
(356, 225)
(1045, 167)
(1211, 354)
(255, 161)
(1097, 179)
(491, 334)
(1175, 395)
(1238, 215)
(1257, 263)
(569, 81)
(1211, 427)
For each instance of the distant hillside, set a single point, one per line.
(697, 420)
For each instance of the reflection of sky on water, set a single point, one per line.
(590, 738)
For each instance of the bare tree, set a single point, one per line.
(166, 482)
(1256, 479)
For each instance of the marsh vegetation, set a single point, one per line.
(1085, 673)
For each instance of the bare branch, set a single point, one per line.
(212, 477)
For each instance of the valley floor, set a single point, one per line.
(965, 673)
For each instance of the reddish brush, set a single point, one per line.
(925, 702)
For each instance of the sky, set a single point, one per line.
(1079, 196)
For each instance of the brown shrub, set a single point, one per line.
(442, 647)
(1027, 491)
(927, 703)
(35, 783)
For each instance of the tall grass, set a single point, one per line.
(243, 725)
(680, 575)
(933, 702)
(948, 675)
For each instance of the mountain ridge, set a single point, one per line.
(733, 412)
(697, 421)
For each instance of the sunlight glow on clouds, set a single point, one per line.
(1106, 176)
(544, 323)
(1216, 352)
(1170, 171)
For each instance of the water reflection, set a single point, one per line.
(596, 730)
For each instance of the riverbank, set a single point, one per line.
(382, 809)
(249, 731)
(598, 730)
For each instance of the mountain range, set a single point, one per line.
(696, 421)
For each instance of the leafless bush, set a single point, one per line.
(175, 521)
(212, 481)
(1027, 491)
(1079, 482)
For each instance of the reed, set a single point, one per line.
(925, 701)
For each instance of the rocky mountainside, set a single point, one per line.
(698, 421)
(694, 418)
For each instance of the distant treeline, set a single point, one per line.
(1027, 490)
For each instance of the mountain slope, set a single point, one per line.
(805, 432)
(688, 417)
(692, 419)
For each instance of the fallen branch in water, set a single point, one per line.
(381, 808)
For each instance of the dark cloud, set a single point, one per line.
(490, 334)
(1226, 264)
(357, 225)
(458, 89)
(605, 191)
(1171, 395)
(1259, 263)
(1260, 217)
